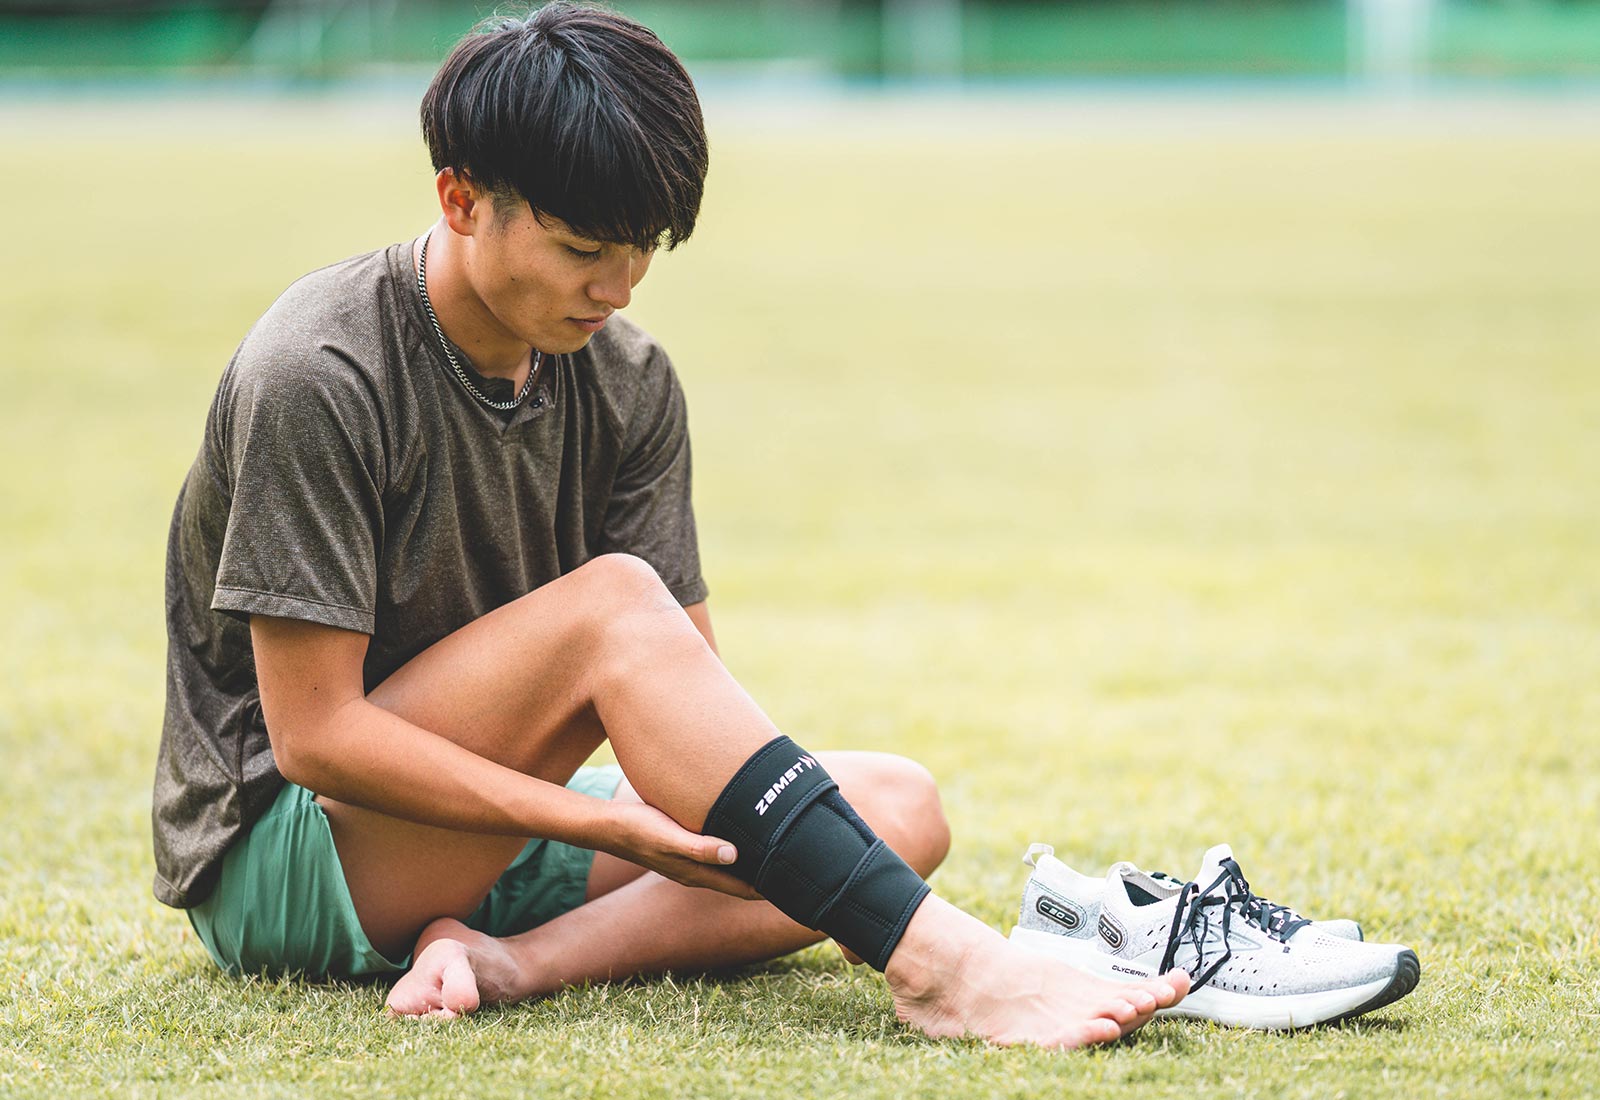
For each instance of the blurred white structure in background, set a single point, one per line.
(1388, 41)
(294, 33)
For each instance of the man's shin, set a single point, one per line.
(808, 853)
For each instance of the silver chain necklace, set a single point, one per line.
(455, 364)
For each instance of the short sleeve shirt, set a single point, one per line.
(347, 477)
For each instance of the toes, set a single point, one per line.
(1095, 1032)
(441, 984)
(1083, 1034)
(1168, 989)
(1130, 1026)
(1121, 1010)
(459, 988)
(410, 999)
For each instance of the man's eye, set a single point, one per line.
(582, 255)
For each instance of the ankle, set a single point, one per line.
(532, 973)
(934, 952)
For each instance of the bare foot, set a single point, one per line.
(953, 976)
(453, 971)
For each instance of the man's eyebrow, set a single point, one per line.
(600, 242)
(562, 229)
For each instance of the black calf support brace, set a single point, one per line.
(807, 852)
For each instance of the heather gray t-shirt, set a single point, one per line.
(347, 478)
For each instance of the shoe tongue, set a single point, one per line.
(1211, 865)
(1119, 901)
(1116, 895)
(1121, 870)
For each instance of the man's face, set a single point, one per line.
(544, 284)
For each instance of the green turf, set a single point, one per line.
(1153, 489)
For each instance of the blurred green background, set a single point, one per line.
(1365, 39)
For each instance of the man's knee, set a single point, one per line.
(620, 582)
(610, 587)
(899, 798)
(627, 615)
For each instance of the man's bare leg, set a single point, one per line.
(606, 653)
(636, 923)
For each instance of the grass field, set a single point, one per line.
(1155, 488)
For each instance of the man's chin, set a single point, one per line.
(564, 344)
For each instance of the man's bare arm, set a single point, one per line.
(328, 737)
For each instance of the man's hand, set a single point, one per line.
(644, 835)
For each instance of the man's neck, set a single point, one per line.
(467, 323)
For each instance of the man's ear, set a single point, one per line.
(463, 204)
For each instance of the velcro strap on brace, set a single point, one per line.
(805, 850)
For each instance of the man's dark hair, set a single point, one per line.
(581, 112)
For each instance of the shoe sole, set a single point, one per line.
(1408, 972)
(1281, 1013)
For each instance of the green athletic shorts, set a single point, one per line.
(282, 906)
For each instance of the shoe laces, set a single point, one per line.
(1200, 911)
(1277, 921)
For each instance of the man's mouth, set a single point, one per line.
(590, 324)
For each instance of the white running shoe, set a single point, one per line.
(1062, 901)
(1254, 964)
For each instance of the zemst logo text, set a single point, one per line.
(804, 764)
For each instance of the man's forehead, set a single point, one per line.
(552, 224)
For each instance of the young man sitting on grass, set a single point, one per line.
(437, 546)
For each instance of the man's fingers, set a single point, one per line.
(711, 850)
(714, 852)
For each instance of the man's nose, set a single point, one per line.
(613, 285)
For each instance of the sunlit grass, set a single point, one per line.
(1152, 490)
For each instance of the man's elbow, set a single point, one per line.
(305, 751)
(290, 757)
